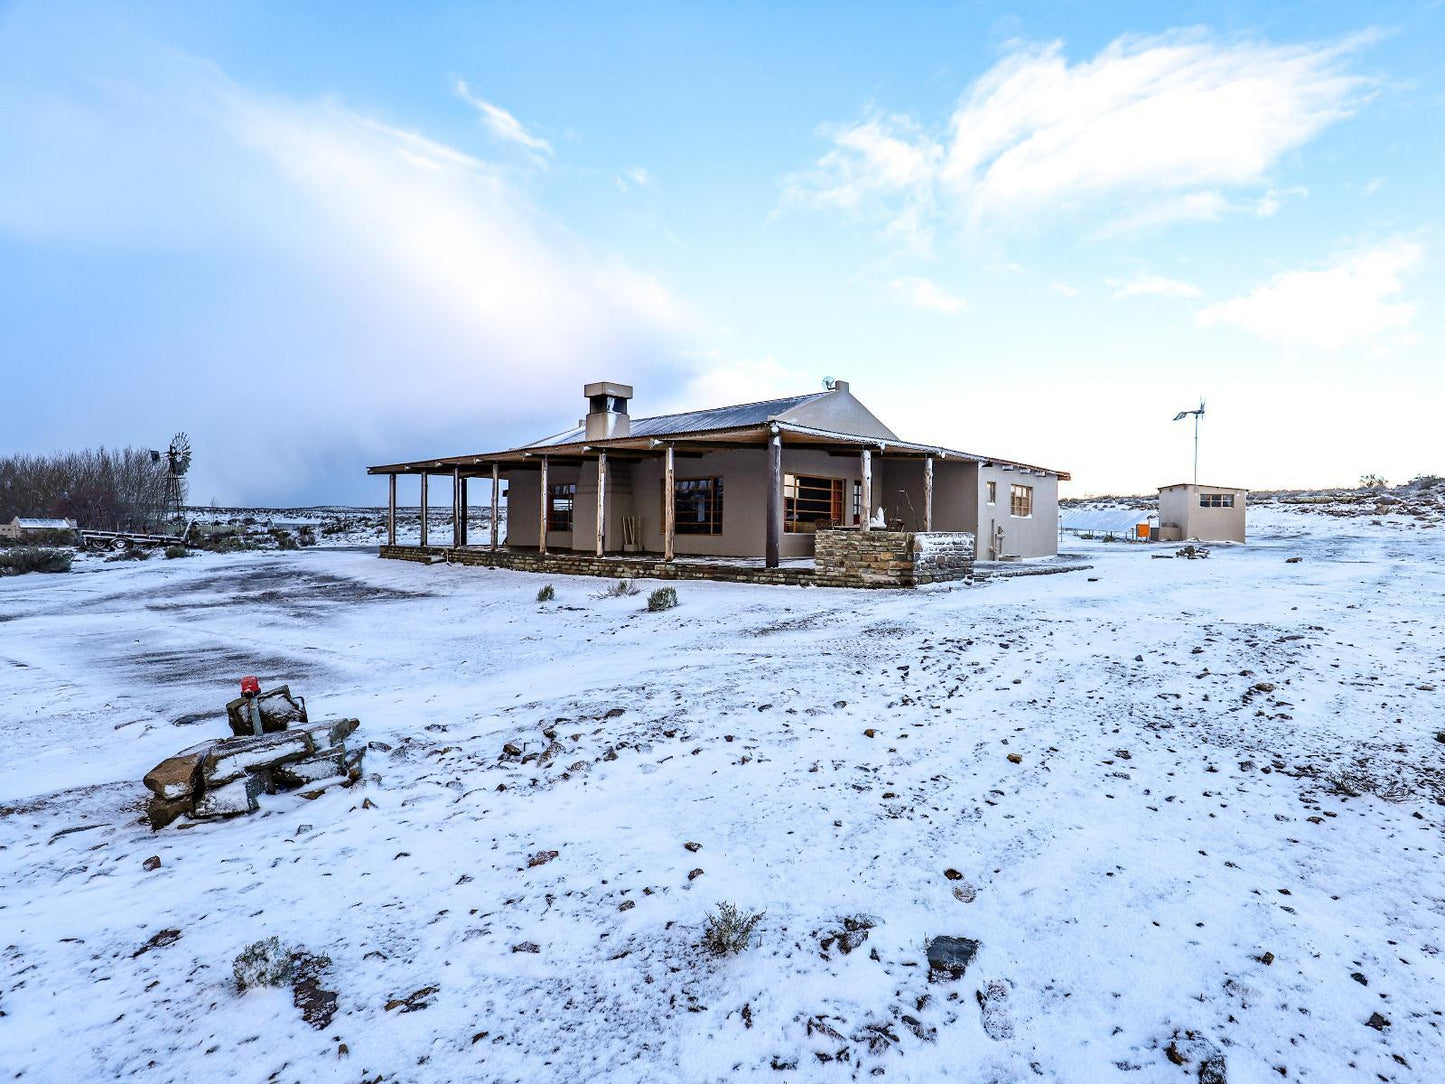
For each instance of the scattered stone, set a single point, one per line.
(950, 956)
(693, 847)
(151, 864)
(953, 875)
(1293, 560)
(414, 1001)
(965, 892)
(527, 946)
(870, 733)
(160, 812)
(175, 777)
(158, 940)
(1378, 1022)
(512, 749)
(694, 874)
(541, 858)
(627, 905)
(317, 1005)
(1015, 758)
(1360, 978)
(998, 1022)
(230, 799)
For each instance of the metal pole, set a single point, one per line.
(1196, 448)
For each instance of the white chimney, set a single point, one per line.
(607, 410)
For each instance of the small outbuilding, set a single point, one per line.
(21, 526)
(1190, 510)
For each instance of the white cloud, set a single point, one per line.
(1152, 285)
(501, 123)
(1158, 125)
(1064, 288)
(1353, 299)
(927, 296)
(393, 295)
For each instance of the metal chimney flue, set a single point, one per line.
(607, 410)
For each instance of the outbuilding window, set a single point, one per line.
(697, 505)
(1021, 501)
(1216, 500)
(561, 497)
(993, 493)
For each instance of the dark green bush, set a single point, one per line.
(18, 559)
(664, 598)
(172, 552)
(546, 594)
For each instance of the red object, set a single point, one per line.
(250, 686)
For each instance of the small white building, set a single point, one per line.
(21, 526)
(1192, 511)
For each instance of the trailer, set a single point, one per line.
(124, 540)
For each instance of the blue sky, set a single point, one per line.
(318, 236)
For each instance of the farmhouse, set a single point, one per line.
(809, 476)
(22, 526)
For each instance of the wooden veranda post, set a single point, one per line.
(601, 500)
(928, 493)
(669, 504)
(867, 466)
(465, 510)
(774, 544)
(456, 507)
(542, 512)
(391, 509)
(496, 487)
(423, 509)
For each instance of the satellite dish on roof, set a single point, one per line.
(830, 382)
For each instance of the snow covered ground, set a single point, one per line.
(1222, 832)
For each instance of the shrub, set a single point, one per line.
(729, 931)
(664, 598)
(172, 552)
(621, 589)
(270, 963)
(1373, 481)
(306, 536)
(130, 553)
(20, 559)
(546, 594)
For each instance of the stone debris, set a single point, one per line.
(224, 777)
(950, 956)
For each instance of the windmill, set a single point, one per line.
(1197, 414)
(178, 461)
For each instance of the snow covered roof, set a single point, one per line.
(30, 523)
(696, 421)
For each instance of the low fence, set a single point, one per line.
(842, 559)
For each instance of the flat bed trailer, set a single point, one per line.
(124, 540)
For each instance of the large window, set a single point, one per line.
(1216, 500)
(813, 504)
(698, 505)
(993, 493)
(561, 498)
(1021, 501)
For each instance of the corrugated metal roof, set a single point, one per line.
(694, 421)
(1107, 520)
(43, 524)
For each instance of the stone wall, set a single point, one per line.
(843, 559)
(894, 558)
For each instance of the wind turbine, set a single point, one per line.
(1197, 414)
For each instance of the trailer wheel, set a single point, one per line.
(120, 544)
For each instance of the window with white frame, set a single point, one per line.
(1216, 500)
(1021, 501)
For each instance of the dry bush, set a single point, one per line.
(729, 930)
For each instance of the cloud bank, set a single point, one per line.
(383, 294)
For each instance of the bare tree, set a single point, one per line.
(121, 489)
